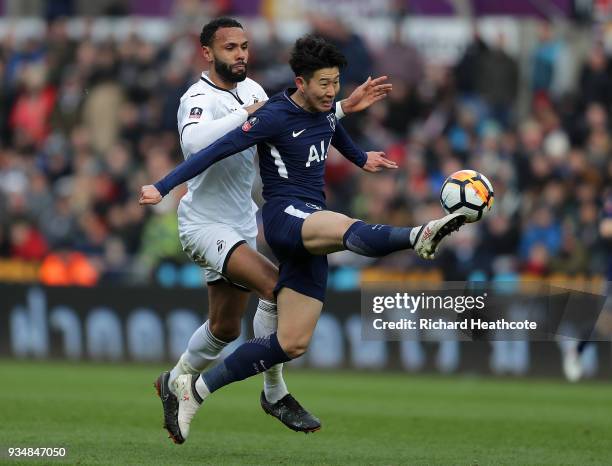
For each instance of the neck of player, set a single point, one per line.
(300, 99)
(216, 79)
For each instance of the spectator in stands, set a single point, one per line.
(551, 64)
(595, 78)
(33, 107)
(498, 81)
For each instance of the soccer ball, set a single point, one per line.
(467, 192)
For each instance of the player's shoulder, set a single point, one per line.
(274, 111)
(254, 87)
(281, 101)
(199, 92)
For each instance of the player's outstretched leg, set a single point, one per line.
(275, 399)
(325, 232)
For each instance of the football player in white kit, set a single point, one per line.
(217, 224)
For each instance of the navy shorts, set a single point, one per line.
(298, 269)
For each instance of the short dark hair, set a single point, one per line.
(311, 53)
(208, 31)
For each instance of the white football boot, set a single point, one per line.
(429, 237)
(189, 401)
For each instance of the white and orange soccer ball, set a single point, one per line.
(467, 192)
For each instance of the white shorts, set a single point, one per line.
(210, 246)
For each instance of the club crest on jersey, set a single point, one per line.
(249, 124)
(196, 112)
(255, 99)
(220, 245)
(332, 121)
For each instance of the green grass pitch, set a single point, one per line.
(105, 414)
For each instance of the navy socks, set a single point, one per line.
(376, 240)
(250, 358)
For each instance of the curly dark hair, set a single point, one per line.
(311, 53)
(208, 31)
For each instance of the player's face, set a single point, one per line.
(321, 90)
(229, 54)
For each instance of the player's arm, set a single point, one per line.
(256, 129)
(368, 93)
(369, 161)
(198, 129)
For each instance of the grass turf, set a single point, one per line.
(105, 414)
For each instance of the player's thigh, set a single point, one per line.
(253, 270)
(227, 304)
(323, 232)
(297, 319)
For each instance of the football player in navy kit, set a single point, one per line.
(293, 132)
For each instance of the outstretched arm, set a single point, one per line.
(363, 96)
(233, 142)
(369, 161)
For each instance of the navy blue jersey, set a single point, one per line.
(292, 144)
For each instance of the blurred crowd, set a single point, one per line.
(84, 124)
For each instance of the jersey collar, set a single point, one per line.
(205, 78)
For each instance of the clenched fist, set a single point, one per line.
(149, 195)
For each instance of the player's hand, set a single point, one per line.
(149, 195)
(377, 161)
(365, 95)
(254, 107)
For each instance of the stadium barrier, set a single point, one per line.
(150, 324)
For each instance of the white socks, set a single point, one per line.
(264, 324)
(203, 348)
(201, 388)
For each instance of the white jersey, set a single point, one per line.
(221, 194)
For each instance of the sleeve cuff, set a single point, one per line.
(161, 188)
(339, 113)
(364, 160)
(244, 115)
